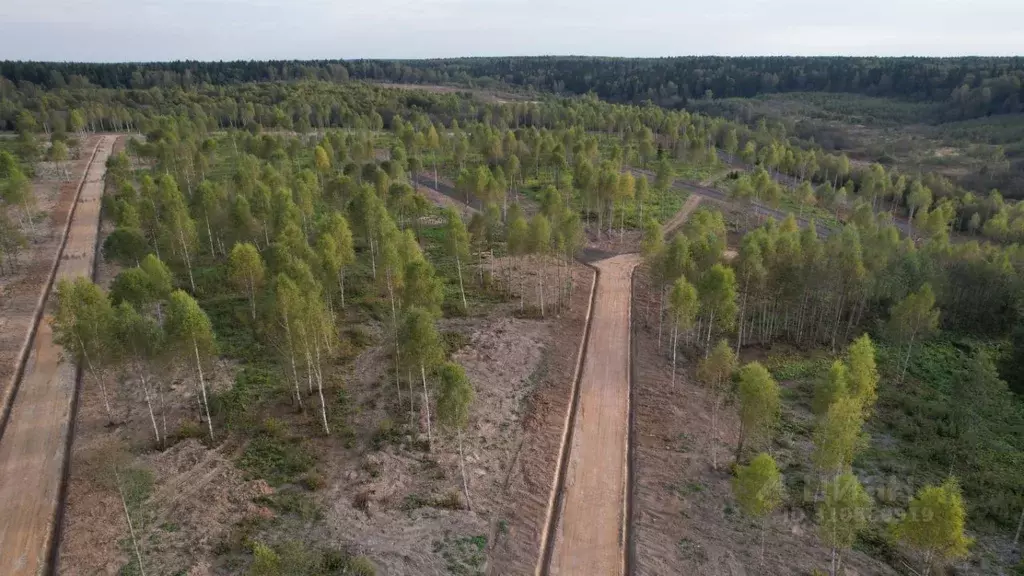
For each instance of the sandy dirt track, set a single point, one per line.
(32, 449)
(590, 537)
(688, 207)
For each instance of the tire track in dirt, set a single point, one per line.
(683, 214)
(588, 526)
(35, 442)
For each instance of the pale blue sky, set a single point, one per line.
(146, 30)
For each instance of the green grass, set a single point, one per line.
(464, 556)
(276, 455)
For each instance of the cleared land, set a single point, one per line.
(590, 537)
(33, 446)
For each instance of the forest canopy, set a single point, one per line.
(968, 87)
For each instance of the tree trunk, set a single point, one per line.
(188, 260)
(202, 386)
(707, 343)
(320, 391)
(906, 362)
(209, 233)
(465, 482)
(675, 342)
(426, 407)
(149, 404)
(462, 291)
(252, 298)
(714, 430)
(341, 286)
(99, 378)
(1020, 524)
(128, 517)
(739, 446)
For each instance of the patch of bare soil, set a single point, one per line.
(526, 488)
(685, 520)
(403, 507)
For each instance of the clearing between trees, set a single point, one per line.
(34, 442)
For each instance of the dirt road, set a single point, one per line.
(34, 443)
(590, 535)
(680, 217)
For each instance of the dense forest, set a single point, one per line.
(269, 218)
(967, 87)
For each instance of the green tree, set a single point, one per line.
(835, 385)
(683, 310)
(423, 350)
(841, 515)
(838, 436)
(718, 300)
(453, 401)
(759, 405)
(664, 174)
(641, 194)
(457, 245)
(914, 317)
(934, 524)
(540, 245)
(179, 228)
(758, 490)
(518, 243)
(59, 154)
(83, 327)
(191, 334)
(343, 255)
(289, 305)
(716, 371)
(246, 271)
(139, 339)
(863, 378)
(322, 162)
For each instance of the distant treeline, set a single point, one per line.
(968, 87)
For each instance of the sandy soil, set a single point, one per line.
(22, 292)
(590, 538)
(528, 483)
(685, 520)
(32, 449)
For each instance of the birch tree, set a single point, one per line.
(683, 310)
(191, 334)
(758, 490)
(934, 525)
(759, 405)
(715, 371)
(454, 398)
(246, 271)
(457, 246)
(83, 327)
(423, 350)
(139, 338)
(915, 317)
(842, 515)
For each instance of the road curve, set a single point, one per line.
(34, 445)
